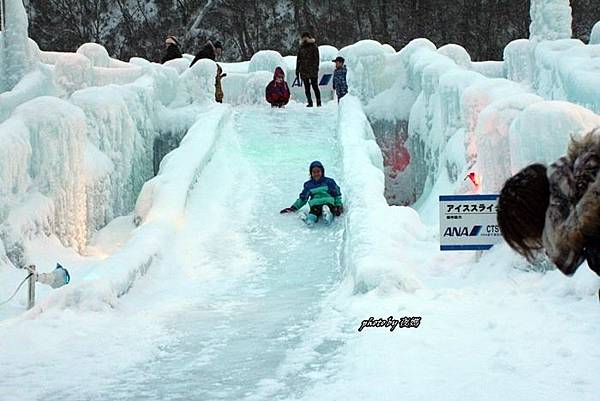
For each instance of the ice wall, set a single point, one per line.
(373, 228)
(542, 131)
(159, 211)
(77, 160)
(266, 60)
(453, 119)
(15, 56)
(550, 20)
(565, 69)
(554, 65)
(246, 82)
(369, 70)
(595, 34)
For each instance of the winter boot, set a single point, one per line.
(318, 102)
(327, 215)
(311, 219)
(309, 104)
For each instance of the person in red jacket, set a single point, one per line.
(278, 92)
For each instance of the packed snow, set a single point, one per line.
(187, 283)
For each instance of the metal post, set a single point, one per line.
(32, 280)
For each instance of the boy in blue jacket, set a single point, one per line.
(339, 78)
(322, 194)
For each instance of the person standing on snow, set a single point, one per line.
(307, 67)
(218, 86)
(173, 50)
(278, 92)
(322, 194)
(556, 209)
(210, 50)
(339, 78)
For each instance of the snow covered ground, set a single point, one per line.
(197, 288)
(248, 304)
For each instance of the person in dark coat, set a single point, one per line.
(278, 92)
(210, 50)
(307, 67)
(173, 50)
(556, 209)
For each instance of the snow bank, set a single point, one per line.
(373, 227)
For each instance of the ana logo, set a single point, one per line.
(325, 79)
(462, 231)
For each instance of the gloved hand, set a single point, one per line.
(291, 209)
(338, 210)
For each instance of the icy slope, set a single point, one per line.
(241, 283)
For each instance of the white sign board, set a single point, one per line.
(325, 81)
(468, 222)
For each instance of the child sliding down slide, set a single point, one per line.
(322, 194)
(278, 92)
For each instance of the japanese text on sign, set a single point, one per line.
(468, 222)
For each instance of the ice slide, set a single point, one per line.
(238, 286)
(196, 305)
(241, 303)
(267, 273)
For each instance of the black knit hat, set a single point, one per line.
(218, 45)
(318, 164)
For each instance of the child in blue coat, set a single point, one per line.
(322, 194)
(339, 78)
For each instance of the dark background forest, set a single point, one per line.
(130, 28)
